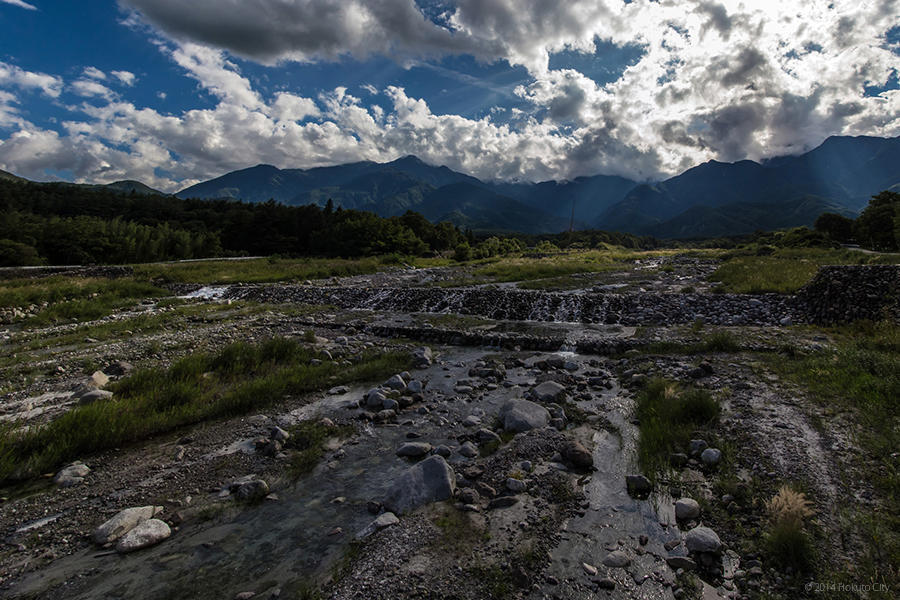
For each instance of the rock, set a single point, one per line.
(605, 583)
(375, 398)
(431, 480)
(415, 387)
(589, 569)
(786, 322)
(471, 421)
(119, 368)
(72, 474)
(486, 435)
(383, 521)
(702, 539)
(521, 415)
(278, 434)
(99, 378)
(678, 459)
(422, 357)
(697, 446)
(244, 595)
(711, 457)
(390, 404)
(617, 560)
(396, 383)
(414, 449)
(94, 396)
(339, 390)
(638, 485)
(503, 502)
(577, 455)
(549, 391)
(443, 450)
(681, 562)
(147, 533)
(516, 486)
(123, 522)
(469, 496)
(469, 450)
(686, 509)
(252, 491)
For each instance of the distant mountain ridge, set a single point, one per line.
(708, 200)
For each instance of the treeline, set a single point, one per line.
(876, 228)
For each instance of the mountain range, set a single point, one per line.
(709, 200)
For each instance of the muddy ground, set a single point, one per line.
(566, 530)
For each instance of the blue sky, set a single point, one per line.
(171, 93)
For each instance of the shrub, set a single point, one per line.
(787, 542)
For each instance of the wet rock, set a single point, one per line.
(549, 391)
(577, 455)
(617, 560)
(711, 457)
(686, 509)
(383, 521)
(431, 480)
(123, 522)
(414, 449)
(147, 533)
(702, 539)
(638, 485)
(72, 474)
(521, 415)
(396, 383)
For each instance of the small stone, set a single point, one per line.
(147, 533)
(549, 391)
(702, 539)
(486, 436)
(681, 562)
(686, 509)
(605, 583)
(244, 595)
(383, 521)
(443, 450)
(503, 502)
(589, 569)
(72, 474)
(414, 449)
(517, 486)
(123, 522)
(278, 434)
(93, 396)
(469, 450)
(638, 485)
(697, 446)
(251, 491)
(396, 383)
(617, 560)
(711, 457)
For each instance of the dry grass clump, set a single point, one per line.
(789, 507)
(787, 541)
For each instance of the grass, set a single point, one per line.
(787, 543)
(72, 298)
(239, 378)
(859, 376)
(257, 270)
(717, 341)
(669, 416)
(525, 268)
(785, 270)
(308, 441)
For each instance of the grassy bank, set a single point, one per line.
(259, 270)
(239, 378)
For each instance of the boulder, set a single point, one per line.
(396, 383)
(414, 449)
(123, 522)
(522, 415)
(72, 474)
(549, 391)
(638, 485)
(702, 539)
(375, 398)
(94, 396)
(422, 357)
(577, 455)
(147, 533)
(431, 480)
(251, 491)
(686, 509)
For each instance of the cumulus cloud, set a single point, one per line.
(722, 79)
(125, 77)
(94, 73)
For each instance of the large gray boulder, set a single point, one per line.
(702, 539)
(123, 522)
(522, 415)
(686, 509)
(148, 533)
(431, 480)
(549, 391)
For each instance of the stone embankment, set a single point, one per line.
(111, 272)
(850, 293)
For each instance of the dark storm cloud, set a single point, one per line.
(749, 64)
(732, 130)
(718, 17)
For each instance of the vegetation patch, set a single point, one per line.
(787, 541)
(239, 378)
(308, 442)
(669, 416)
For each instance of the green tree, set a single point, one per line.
(837, 227)
(877, 225)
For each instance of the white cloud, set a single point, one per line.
(125, 77)
(88, 88)
(11, 75)
(20, 4)
(94, 73)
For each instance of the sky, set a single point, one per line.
(170, 92)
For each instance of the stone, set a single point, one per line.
(702, 539)
(99, 378)
(678, 459)
(415, 387)
(469, 450)
(521, 415)
(278, 434)
(697, 446)
(375, 398)
(443, 450)
(390, 404)
(711, 457)
(617, 560)
(414, 449)
(72, 474)
(123, 522)
(469, 496)
(516, 486)
(577, 455)
(589, 569)
(486, 435)
(549, 391)
(396, 383)
(383, 521)
(118, 368)
(681, 562)
(686, 509)
(471, 421)
(94, 396)
(638, 485)
(252, 491)
(422, 357)
(431, 480)
(148, 533)
(503, 502)
(605, 583)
